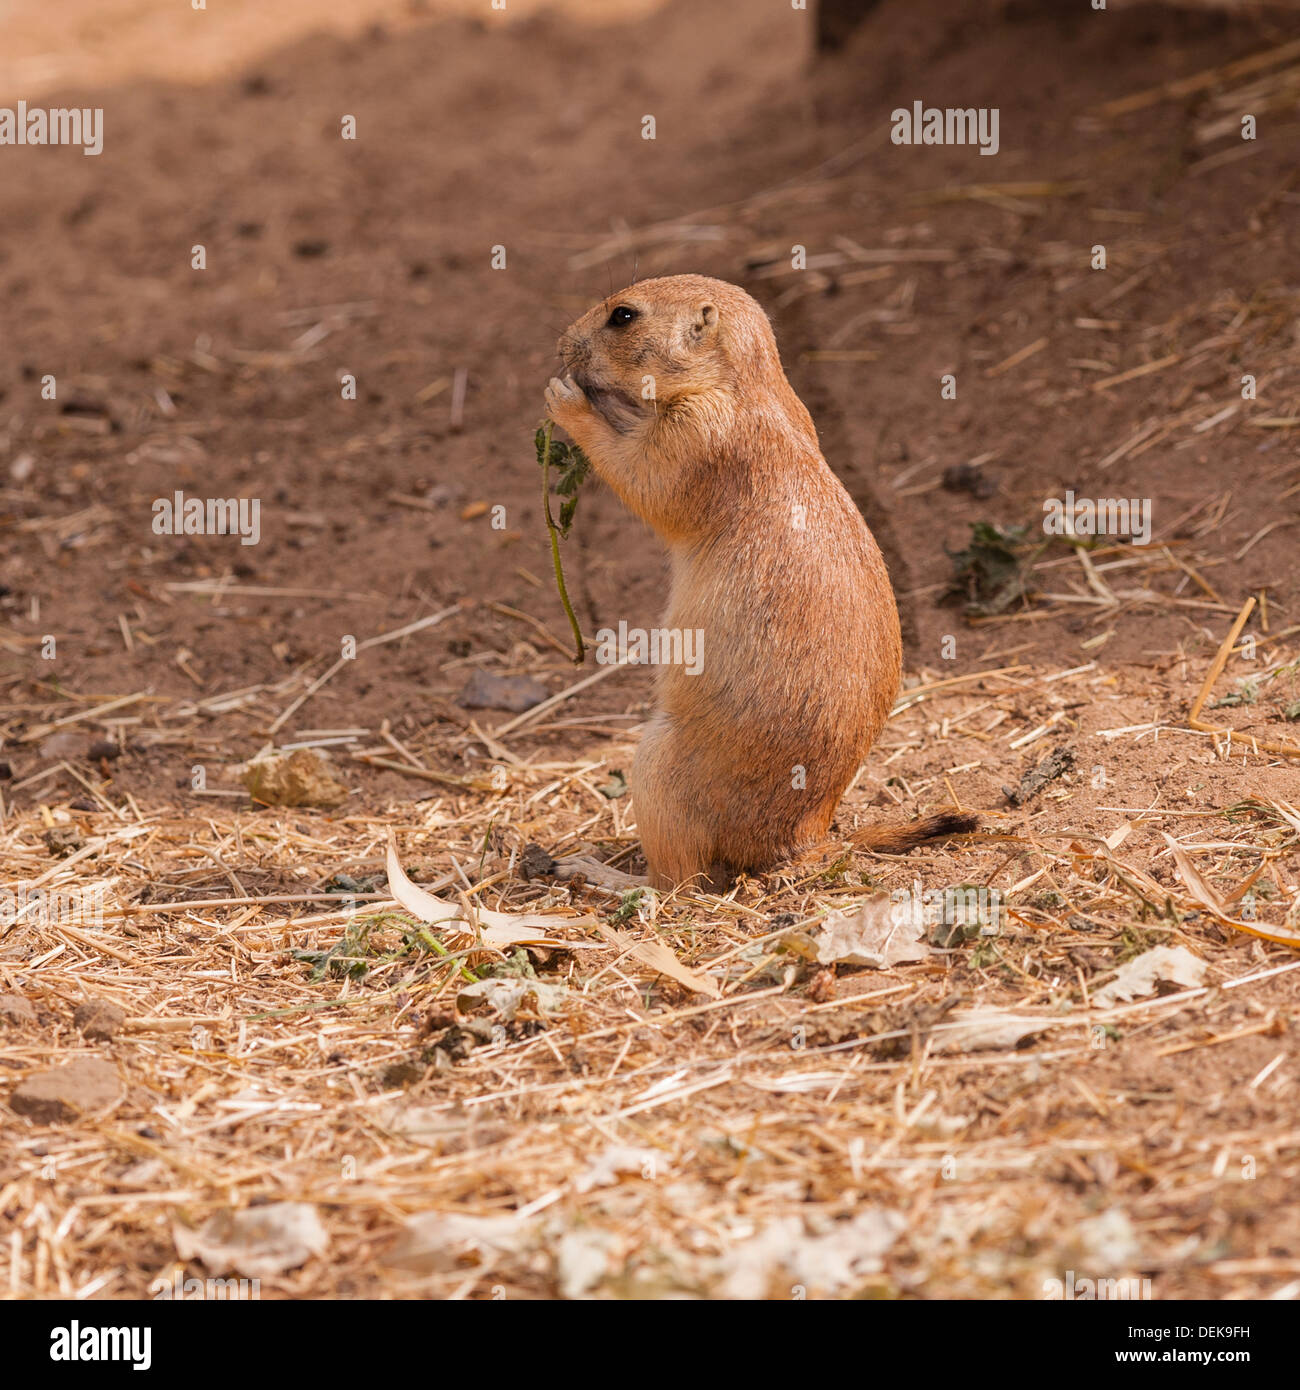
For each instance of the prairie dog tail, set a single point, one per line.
(898, 839)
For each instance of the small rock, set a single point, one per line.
(457, 1042)
(516, 694)
(62, 840)
(534, 862)
(963, 477)
(443, 495)
(16, 1011)
(397, 1075)
(63, 745)
(304, 777)
(83, 403)
(821, 988)
(64, 1094)
(98, 1019)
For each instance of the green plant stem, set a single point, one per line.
(551, 527)
(438, 948)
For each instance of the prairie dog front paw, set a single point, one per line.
(564, 398)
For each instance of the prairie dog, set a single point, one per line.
(674, 390)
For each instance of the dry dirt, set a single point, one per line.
(1160, 1143)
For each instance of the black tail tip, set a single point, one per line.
(950, 823)
(899, 839)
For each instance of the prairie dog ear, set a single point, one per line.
(704, 322)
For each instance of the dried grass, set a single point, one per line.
(792, 1096)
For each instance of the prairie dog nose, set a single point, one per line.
(574, 349)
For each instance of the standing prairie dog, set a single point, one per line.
(675, 392)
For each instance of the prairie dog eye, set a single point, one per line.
(622, 315)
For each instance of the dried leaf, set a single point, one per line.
(1138, 977)
(659, 958)
(506, 996)
(1117, 837)
(786, 1255)
(257, 1242)
(616, 1160)
(878, 933)
(1108, 1241)
(1205, 896)
(440, 1240)
(1196, 885)
(797, 1083)
(582, 1260)
(982, 1030)
(497, 928)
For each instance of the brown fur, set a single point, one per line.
(898, 839)
(770, 558)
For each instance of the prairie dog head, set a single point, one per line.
(665, 343)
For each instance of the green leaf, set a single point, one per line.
(546, 450)
(627, 905)
(615, 787)
(990, 572)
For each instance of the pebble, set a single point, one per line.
(65, 1094)
(98, 1019)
